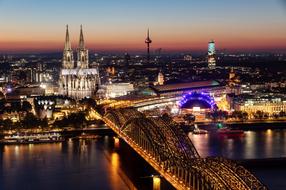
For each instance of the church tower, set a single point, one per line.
(82, 53)
(77, 81)
(68, 61)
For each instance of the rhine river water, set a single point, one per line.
(102, 165)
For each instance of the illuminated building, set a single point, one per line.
(111, 71)
(211, 54)
(197, 104)
(24, 92)
(160, 79)
(212, 86)
(127, 59)
(202, 98)
(118, 89)
(233, 83)
(171, 94)
(266, 103)
(77, 81)
(188, 58)
(54, 106)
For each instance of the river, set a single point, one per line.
(75, 164)
(102, 164)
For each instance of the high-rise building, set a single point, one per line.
(127, 59)
(160, 78)
(211, 54)
(77, 81)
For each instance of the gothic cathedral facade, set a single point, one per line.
(77, 80)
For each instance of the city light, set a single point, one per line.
(198, 96)
(196, 101)
(156, 183)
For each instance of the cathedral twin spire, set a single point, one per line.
(82, 53)
(67, 42)
(81, 40)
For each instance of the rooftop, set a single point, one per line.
(185, 86)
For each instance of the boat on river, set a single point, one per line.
(87, 136)
(198, 131)
(32, 138)
(224, 130)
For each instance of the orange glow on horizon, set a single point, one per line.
(123, 42)
(169, 46)
(128, 38)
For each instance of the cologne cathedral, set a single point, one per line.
(77, 80)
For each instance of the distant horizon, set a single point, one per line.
(143, 51)
(238, 26)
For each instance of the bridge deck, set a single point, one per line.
(171, 153)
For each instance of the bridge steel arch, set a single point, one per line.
(165, 146)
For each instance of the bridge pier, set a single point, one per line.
(116, 142)
(156, 182)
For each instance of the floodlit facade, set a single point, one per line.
(211, 54)
(271, 105)
(77, 80)
(118, 89)
(160, 79)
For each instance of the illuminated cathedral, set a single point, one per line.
(77, 80)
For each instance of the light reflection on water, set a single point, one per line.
(69, 165)
(252, 145)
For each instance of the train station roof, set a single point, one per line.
(185, 86)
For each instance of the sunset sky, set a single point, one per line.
(235, 25)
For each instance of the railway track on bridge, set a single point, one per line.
(164, 145)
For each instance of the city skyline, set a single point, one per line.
(117, 26)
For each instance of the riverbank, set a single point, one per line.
(64, 134)
(95, 131)
(264, 162)
(258, 125)
(250, 125)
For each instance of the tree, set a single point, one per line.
(77, 119)
(26, 106)
(15, 106)
(190, 118)
(89, 103)
(265, 115)
(44, 123)
(2, 104)
(7, 124)
(61, 123)
(282, 113)
(166, 117)
(30, 121)
(214, 115)
(258, 114)
(244, 115)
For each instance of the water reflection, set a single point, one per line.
(68, 165)
(253, 144)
